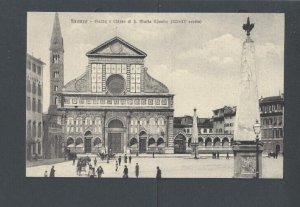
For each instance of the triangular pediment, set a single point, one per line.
(116, 47)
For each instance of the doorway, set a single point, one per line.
(114, 143)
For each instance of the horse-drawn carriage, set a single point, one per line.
(104, 156)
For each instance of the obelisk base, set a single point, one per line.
(245, 159)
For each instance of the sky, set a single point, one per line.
(199, 62)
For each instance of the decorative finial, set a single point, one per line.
(195, 109)
(248, 27)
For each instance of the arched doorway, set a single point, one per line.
(116, 128)
(179, 144)
(208, 142)
(277, 148)
(225, 142)
(88, 142)
(142, 142)
(217, 142)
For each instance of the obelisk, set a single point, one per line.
(247, 112)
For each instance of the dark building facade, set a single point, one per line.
(34, 100)
(272, 123)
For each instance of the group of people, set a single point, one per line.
(85, 164)
(216, 155)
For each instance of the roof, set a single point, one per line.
(271, 99)
(188, 121)
(116, 47)
(38, 60)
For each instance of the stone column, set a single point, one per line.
(247, 112)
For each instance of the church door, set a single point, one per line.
(88, 145)
(142, 145)
(114, 142)
(179, 144)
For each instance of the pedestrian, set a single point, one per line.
(116, 165)
(125, 158)
(107, 159)
(45, 174)
(227, 156)
(95, 162)
(73, 160)
(92, 172)
(212, 155)
(120, 160)
(137, 153)
(100, 171)
(129, 159)
(137, 170)
(152, 154)
(52, 172)
(218, 155)
(158, 173)
(125, 171)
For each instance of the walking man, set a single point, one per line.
(137, 170)
(120, 160)
(227, 156)
(52, 172)
(158, 173)
(125, 172)
(129, 159)
(125, 158)
(116, 165)
(100, 171)
(95, 162)
(46, 174)
(152, 154)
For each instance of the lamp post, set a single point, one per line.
(256, 128)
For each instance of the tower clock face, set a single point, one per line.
(116, 84)
(116, 48)
(80, 85)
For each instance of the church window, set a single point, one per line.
(109, 101)
(129, 101)
(113, 68)
(55, 58)
(55, 88)
(102, 101)
(157, 101)
(74, 100)
(123, 101)
(96, 78)
(56, 74)
(135, 78)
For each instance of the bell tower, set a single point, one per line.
(56, 61)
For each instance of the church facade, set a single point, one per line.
(115, 105)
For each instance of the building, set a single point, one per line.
(34, 100)
(272, 122)
(115, 105)
(183, 133)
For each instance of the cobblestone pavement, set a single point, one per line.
(178, 167)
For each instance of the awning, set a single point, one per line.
(71, 145)
(134, 146)
(161, 145)
(98, 145)
(152, 145)
(79, 145)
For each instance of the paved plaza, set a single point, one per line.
(171, 167)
